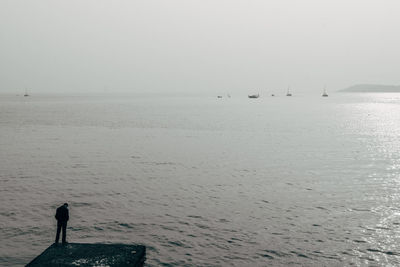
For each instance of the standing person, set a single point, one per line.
(62, 216)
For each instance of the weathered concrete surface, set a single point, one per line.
(79, 254)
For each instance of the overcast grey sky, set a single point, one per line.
(198, 46)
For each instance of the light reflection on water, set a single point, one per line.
(201, 181)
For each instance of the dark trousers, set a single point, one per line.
(62, 225)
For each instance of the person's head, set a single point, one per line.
(66, 204)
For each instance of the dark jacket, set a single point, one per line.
(62, 214)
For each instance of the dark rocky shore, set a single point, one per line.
(78, 254)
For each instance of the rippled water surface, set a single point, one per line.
(204, 181)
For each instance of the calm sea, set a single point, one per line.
(201, 181)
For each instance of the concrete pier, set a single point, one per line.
(80, 254)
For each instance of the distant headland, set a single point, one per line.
(372, 88)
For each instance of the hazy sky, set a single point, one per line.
(203, 46)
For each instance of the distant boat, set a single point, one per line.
(288, 93)
(325, 94)
(254, 96)
(220, 96)
(26, 93)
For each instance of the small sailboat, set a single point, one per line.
(288, 93)
(26, 93)
(254, 96)
(325, 94)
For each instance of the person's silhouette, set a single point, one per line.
(62, 216)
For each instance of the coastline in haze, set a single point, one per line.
(372, 88)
